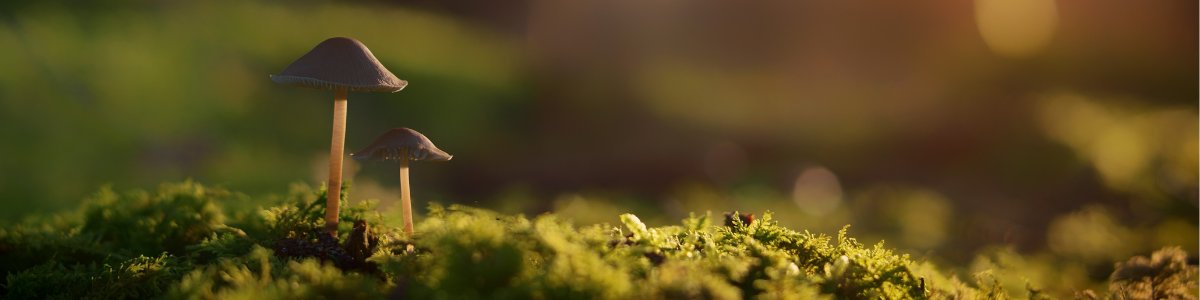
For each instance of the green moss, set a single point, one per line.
(178, 243)
(261, 275)
(176, 216)
(139, 277)
(24, 246)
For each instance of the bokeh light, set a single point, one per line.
(817, 191)
(1016, 28)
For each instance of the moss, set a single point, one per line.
(139, 277)
(1164, 275)
(178, 243)
(24, 246)
(141, 223)
(261, 275)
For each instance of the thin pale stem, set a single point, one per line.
(405, 199)
(336, 150)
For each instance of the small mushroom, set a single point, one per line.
(340, 64)
(402, 145)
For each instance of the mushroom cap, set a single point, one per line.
(340, 62)
(402, 143)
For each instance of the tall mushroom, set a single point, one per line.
(402, 145)
(340, 64)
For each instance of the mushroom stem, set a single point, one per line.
(405, 199)
(333, 195)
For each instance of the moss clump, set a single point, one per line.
(262, 275)
(139, 277)
(1164, 275)
(179, 243)
(140, 223)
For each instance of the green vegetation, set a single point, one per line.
(181, 242)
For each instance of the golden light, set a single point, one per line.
(1016, 28)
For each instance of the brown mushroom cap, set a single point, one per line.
(402, 143)
(340, 62)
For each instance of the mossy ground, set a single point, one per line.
(187, 241)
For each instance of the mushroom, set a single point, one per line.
(402, 145)
(340, 64)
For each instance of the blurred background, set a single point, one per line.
(1048, 137)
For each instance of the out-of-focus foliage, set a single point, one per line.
(1146, 152)
(1017, 274)
(1091, 235)
(463, 252)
